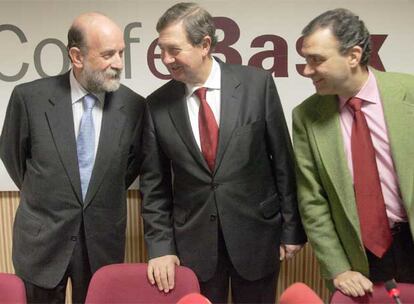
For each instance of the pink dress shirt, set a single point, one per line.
(374, 114)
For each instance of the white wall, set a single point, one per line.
(50, 19)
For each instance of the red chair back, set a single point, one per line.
(194, 298)
(128, 283)
(299, 293)
(379, 296)
(12, 289)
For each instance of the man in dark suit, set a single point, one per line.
(218, 183)
(71, 218)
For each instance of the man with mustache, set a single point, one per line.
(71, 144)
(219, 193)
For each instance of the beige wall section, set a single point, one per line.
(303, 267)
(8, 205)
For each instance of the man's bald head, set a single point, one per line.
(95, 47)
(85, 27)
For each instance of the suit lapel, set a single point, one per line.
(60, 119)
(399, 116)
(111, 129)
(328, 137)
(229, 112)
(179, 115)
(230, 105)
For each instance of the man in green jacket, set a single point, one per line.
(354, 150)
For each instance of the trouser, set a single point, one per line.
(79, 272)
(216, 289)
(398, 262)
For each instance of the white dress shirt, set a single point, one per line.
(213, 85)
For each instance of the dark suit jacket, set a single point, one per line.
(251, 191)
(38, 148)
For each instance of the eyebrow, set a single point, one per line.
(111, 51)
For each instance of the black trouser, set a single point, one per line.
(398, 262)
(79, 273)
(242, 291)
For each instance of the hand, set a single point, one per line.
(161, 270)
(352, 283)
(288, 251)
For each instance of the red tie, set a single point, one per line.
(375, 230)
(208, 128)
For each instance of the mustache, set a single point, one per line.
(113, 73)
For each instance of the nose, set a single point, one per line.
(118, 62)
(308, 70)
(167, 58)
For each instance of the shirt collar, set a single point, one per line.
(78, 92)
(213, 81)
(369, 92)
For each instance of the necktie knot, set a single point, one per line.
(201, 93)
(355, 104)
(89, 102)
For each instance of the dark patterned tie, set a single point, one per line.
(208, 129)
(376, 234)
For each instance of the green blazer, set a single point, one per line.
(325, 187)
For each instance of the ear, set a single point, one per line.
(355, 55)
(76, 56)
(206, 45)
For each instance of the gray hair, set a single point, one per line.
(197, 22)
(76, 38)
(348, 29)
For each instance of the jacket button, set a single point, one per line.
(73, 238)
(213, 217)
(214, 186)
